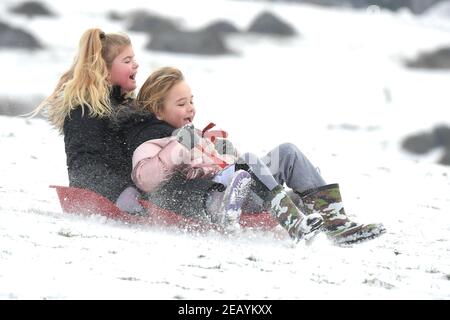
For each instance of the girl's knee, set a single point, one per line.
(288, 148)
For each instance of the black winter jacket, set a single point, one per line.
(98, 156)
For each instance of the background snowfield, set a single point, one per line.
(339, 91)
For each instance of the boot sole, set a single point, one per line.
(239, 189)
(358, 239)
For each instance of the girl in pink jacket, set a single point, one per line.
(197, 173)
(194, 172)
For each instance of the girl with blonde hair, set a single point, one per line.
(83, 106)
(186, 170)
(171, 156)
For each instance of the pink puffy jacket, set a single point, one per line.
(154, 161)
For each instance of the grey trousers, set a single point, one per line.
(285, 164)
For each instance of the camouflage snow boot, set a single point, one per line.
(327, 201)
(291, 218)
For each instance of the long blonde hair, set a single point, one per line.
(154, 90)
(86, 82)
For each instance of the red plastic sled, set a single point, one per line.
(87, 202)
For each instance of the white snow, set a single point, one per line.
(338, 91)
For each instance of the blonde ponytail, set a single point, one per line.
(86, 83)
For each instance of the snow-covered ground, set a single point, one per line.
(338, 91)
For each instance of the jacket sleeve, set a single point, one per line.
(154, 161)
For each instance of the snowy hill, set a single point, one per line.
(339, 91)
